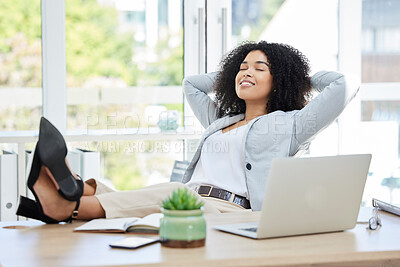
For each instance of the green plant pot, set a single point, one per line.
(183, 228)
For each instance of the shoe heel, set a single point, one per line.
(28, 208)
(32, 209)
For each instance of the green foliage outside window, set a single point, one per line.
(95, 47)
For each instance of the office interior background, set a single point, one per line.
(112, 70)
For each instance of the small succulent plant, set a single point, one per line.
(182, 199)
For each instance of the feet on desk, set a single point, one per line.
(51, 181)
(50, 206)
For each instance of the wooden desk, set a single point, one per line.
(56, 245)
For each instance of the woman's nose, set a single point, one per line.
(247, 73)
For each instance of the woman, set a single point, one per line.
(260, 112)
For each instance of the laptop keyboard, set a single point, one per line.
(252, 229)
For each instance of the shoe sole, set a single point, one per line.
(52, 151)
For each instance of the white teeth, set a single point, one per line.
(246, 84)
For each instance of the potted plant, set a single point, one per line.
(183, 224)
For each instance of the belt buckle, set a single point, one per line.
(209, 192)
(232, 198)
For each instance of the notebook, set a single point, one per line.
(308, 196)
(146, 225)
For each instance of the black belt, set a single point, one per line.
(210, 191)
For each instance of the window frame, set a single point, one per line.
(54, 96)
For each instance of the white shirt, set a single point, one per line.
(221, 162)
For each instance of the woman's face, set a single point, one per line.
(254, 81)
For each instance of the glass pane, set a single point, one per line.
(127, 165)
(380, 136)
(250, 18)
(380, 119)
(124, 59)
(381, 111)
(124, 71)
(285, 22)
(380, 41)
(20, 65)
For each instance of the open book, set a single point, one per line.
(146, 225)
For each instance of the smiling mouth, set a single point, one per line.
(246, 83)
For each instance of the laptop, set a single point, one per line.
(309, 196)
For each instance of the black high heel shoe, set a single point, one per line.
(33, 209)
(52, 151)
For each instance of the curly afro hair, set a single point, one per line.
(289, 68)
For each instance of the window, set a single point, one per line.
(282, 22)
(380, 102)
(124, 71)
(252, 25)
(20, 64)
(381, 41)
